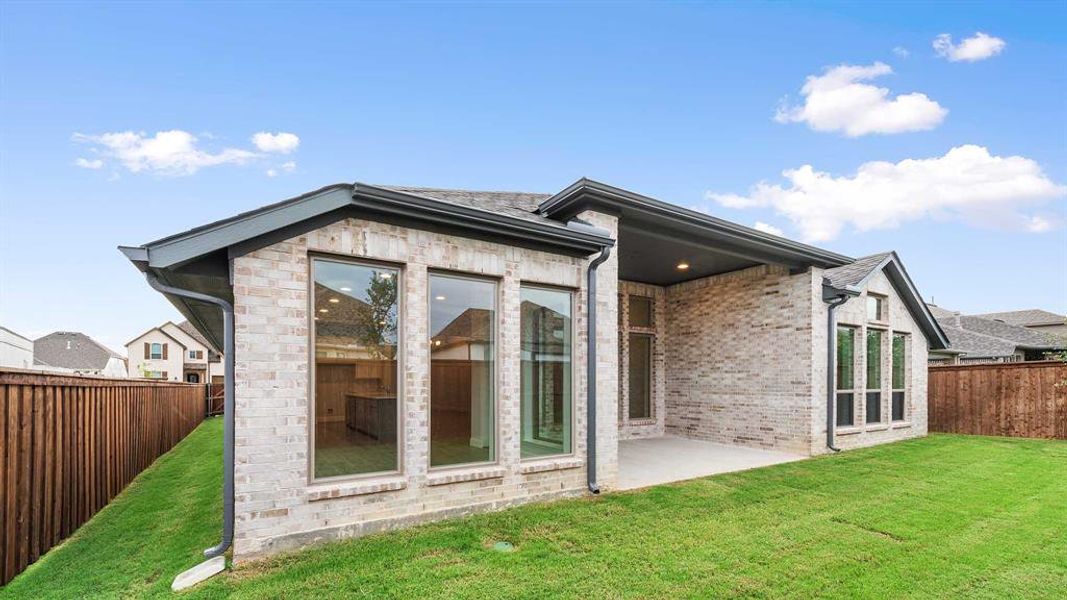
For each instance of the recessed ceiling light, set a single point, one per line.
(385, 275)
(682, 266)
(346, 289)
(437, 342)
(323, 310)
(439, 298)
(334, 300)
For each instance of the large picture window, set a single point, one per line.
(356, 427)
(899, 365)
(874, 376)
(545, 346)
(462, 380)
(846, 382)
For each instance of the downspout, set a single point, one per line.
(831, 365)
(228, 418)
(590, 372)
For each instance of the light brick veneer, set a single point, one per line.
(276, 506)
(738, 359)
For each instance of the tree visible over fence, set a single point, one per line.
(69, 444)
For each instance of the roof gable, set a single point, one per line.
(72, 350)
(850, 280)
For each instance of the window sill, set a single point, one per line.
(330, 491)
(555, 464)
(901, 424)
(877, 427)
(461, 475)
(641, 422)
(853, 430)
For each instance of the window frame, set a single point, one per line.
(867, 389)
(903, 389)
(573, 293)
(497, 307)
(882, 309)
(401, 343)
(839, 391)
(650, 373)
(152, 354)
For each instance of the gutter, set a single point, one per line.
(833, 297)
(590, 371)
(228, 409)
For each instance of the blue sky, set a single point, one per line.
(674, 101)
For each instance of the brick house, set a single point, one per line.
(176, 352)
(408, 354)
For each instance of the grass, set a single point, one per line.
(945, 516)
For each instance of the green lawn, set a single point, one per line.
(946, 516)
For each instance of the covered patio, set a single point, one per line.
(654, 461)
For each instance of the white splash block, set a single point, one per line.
(208, 568)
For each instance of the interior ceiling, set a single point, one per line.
(649, 257)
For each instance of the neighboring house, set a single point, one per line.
(15, 351)
(174, 352)
(1035, 318)
(977, 339)
(74, 352)
(408, 354)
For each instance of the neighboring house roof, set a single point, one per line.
(852, 278)
(22, 337)
(191, 331)
(1034, 317)
(979, 337)
(159, 329)
(72, 350)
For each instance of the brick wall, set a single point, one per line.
(276, 506)
(738, 360)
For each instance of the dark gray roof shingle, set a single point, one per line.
(1026, 318)
(980, 337)
(854, 273)
(521, 205)
(71, 350)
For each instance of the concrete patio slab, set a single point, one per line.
(652, 461)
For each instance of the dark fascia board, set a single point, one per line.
(241, 230)
(898, 276)
(586, 194)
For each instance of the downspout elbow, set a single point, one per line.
(590, 373)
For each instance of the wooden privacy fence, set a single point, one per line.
(1027, 399)
(69, 444)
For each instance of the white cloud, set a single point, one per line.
(768, 228)
(288, 167)
(281, 142)
(172, 152)
(966, 184)
(980, 46)
(838, 101)
(86, 163)
(901, 51)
